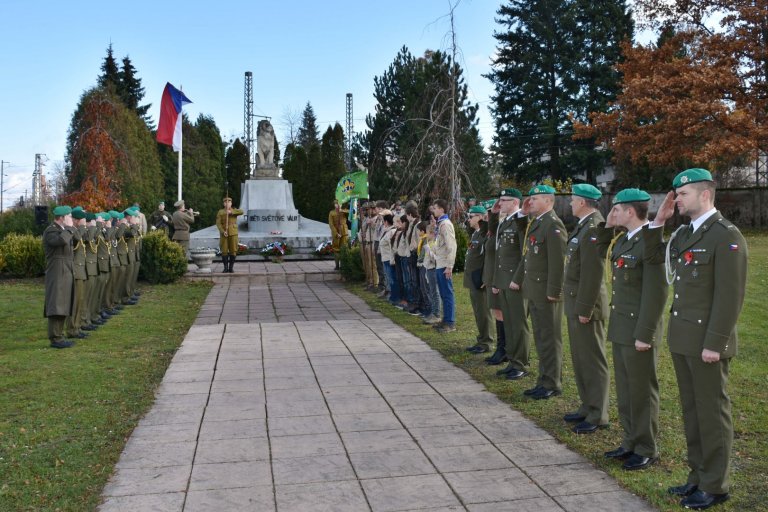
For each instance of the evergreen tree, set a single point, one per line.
(238, 169)
(109, 71)
(130, 90)
(308, 131)
(555, 58)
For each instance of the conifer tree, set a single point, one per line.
(110, 74)
(131, 91)
(308, 131)
(238, 169)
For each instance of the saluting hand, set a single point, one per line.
(666, 210)
(526, 208)
(610, 221)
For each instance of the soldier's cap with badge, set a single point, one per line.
(120, 215)
(113, 214)
(688, 176)
(477, 210)
(90, 216)
(631, 195)
(178, 203)
(586, 191)
(511, 192)
(78, 213)
(541, 189)
(62, 210)
(129, 212)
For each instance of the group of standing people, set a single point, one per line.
(523, 264)
(410, 261)
(92, 267)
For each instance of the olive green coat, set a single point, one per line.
(544, 260)
(59, 279)
(91, 251)
(79, 241)
(181, 222)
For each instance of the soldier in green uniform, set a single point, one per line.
(473, 279)
(120, 295)
(586, 310)
(110, 302)
(637, 302)
(160, 219)
(337, 220)
(226, 222)
(74, 321)
(542, 284)
(59, 278)
(507, 280)
(182, 218)
(91, 319)
(131, 234)
(102, 256)
(708, 266)
(489, 265)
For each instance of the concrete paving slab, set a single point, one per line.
(232, 429)
(232, 450)
(467, 458)
(391, 463)
(230, 475)
(408, 493)
(168, 502)
(493, 485)
(378, 441)
(346, 496)
(308, 445)
(259, 498)
(304, 470)
(300, 425)
(366, 421)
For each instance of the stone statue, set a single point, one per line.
(265, 144)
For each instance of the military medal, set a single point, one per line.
(535, 249)
(695, 273)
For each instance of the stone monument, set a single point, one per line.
(270, 214)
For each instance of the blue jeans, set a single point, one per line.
(445, 286)
(426, 303)
(394, 288)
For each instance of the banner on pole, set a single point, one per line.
(352, 186)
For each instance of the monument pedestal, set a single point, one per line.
(270, 216)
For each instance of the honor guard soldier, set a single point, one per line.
(111, 302)
(542, 284)
(706, 262)
(474, 264)
(160, 219)
(59, 278)
(182, 219)
(634, 330)
(226, 222)
(489, 264)
(507, 281)
(102, 256)
(91, 318)
(74, 321)
(586, 310)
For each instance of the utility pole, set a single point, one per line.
(37, 180)
(350, 131)
(2, 177)
(248, 120)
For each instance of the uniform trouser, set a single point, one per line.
(424, 287)
(128, 282)
(56, 327)
(109, 290)
(707, 420)
(101, 288)
(135, 277)
(517, 334)
(227, 244)
(184, 245)
(119, 289)
(590, 367)
(90, 299)
(74, 321)
(547, 323)
(377, 279)
(483, 318)
(637, 398)
(365, 250)
(383, 284)
(434, 293)
(445, 286)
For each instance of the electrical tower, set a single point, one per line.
(248, 119)
(350, 132)
(38, 181)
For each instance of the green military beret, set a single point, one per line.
(631, 195)
(541, 189)
(120, 216)
(102, 216)
(90, 216)
(512, 192)
(477, 210)
(77, 209)
(113, 214)
(587, 191)
(161, 203)
(488, 203)
(691, 176)
(129, 213)
(61, 211)
(78, 213)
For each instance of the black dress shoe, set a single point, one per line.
(118, 307)
(89, 327)
(509, 368)
(532, 391)
(683, 490)
(62, 344)
(516, 374)
(574, 417)
(79, 335)
(105, 315)
(586, 427)
(637, 461)
(477, 349)
(546, 394)
(99, 321)
(619, 453)
(496, 359)
(700, 500)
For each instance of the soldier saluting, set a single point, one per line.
(59, 277)
(706, 262)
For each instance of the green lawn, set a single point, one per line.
(65, 415)
(748, 390)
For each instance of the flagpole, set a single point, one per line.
(180, 146)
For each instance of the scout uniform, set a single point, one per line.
(339, 232)
(181, 221)
(473, 281)
(637, 302)
(542, 276)
(226, 222)
(514, 308)
(708, 268)
(74, 321)
(59, 278)
(586, 296)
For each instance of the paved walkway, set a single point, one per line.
(336, 415)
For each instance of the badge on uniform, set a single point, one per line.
(733, 247)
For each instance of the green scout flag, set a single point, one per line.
(352, 186)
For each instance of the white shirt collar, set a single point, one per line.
(636, 230)
(698, 222)
(513, 214)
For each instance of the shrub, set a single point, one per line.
(462, 241)
(351, 263)
(20, 221)
(23, 255)
(162, 261)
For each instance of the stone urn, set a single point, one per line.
(203, 258)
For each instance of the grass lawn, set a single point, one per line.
(748, 389)
(65, 415)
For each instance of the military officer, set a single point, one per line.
(226, 222)
(514, 307)
(182, 219)
(59, 278)
(489, 265)
(103, 257)
(542, 284)
(160, 219)
(131, 234)
(138, 236)
(112, 304)
(91, 318)
(74, 321)
(637, 302)
(586, 310)
(708, 267)
(125, 262)
(474, 264)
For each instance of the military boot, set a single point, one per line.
(500, 355)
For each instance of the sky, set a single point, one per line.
(299, 51)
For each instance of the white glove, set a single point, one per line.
(165, 218)
(153, 228)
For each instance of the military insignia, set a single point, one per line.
(684, 179)
(593, 239)
(574, 240)
(695, 273)
(557, 231)
(733, 247)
